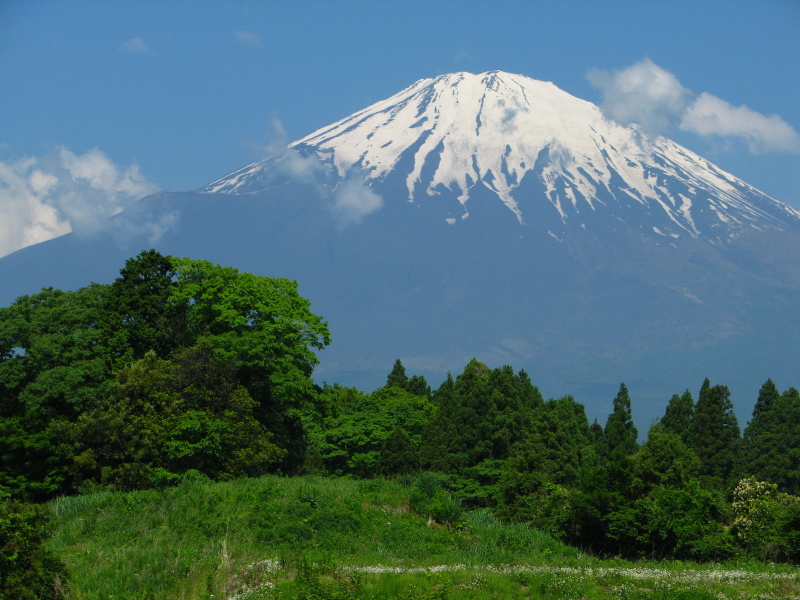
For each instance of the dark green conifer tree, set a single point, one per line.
(479, 419)
(418, 386)
(771, 441)
(397, 377)
(619, 434)
(715, 434)
(398, 456)
(678, 415)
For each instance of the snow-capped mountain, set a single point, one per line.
(531, 144)
(498, 217)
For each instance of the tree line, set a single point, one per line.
(185, 369)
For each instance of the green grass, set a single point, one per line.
(316, 538)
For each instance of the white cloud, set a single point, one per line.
(248, 38)
(653, 98)
(643, 93)
(353, 200)
(135, 45)
(709, 115)
(43, 198)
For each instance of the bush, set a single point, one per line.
(28, 570)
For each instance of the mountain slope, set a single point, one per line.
(457, 132)
(499, 217)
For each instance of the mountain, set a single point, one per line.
(499, 217)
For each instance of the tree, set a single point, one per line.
(267, 329)
(771, 441)
(679, 415)
(418, 386)
(59, 351)
(52, 367)
(765, 520)
(28, 570)
(138, 313)
(663, 460)
(481, 416)
(715, 434)
(165, 418)
(536, 480)
(398, 455)
(370, 434)
(619, 434)
(52, 355)
(681, 523)
(397, 377)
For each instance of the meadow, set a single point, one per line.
(315, 538)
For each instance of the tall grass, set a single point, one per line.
(317, 538)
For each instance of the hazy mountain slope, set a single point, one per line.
(499, 217)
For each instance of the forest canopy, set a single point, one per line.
(182, 369)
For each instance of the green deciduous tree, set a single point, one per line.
(663, 460)
(59, 351)
(369, 434)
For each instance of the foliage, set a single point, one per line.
(481, 416)
(182, 371)
(179, 365)
(771, 441)
(715, 434)
(619, 434)
(766, 520)
(28, 569)
(663, 460)
(679, 415)
(354, 439)
(163, 419)
(532, 487)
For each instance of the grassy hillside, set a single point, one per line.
(317, 538)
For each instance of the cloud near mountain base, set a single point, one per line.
(43, 198)
(353, 200)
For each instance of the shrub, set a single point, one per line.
(28, 570)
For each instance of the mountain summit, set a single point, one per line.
(543, 152)
(498, 217)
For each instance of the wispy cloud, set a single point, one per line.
(654, 98)
(350, 199)
(464, 55)
(249, 39)
(135, 45)
(43, 198)
(353, 200)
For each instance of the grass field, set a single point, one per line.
(317, 539)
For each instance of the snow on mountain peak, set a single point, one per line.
(494, 129)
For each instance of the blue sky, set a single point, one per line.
(172, 95)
